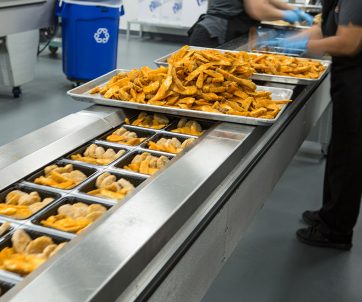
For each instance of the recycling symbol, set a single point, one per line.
(101, 35)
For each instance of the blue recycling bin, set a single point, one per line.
(89, 38)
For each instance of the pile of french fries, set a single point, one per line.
(204, 80)
(287, 66)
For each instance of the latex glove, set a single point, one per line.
(290, 16)
(303, 16)
(290, 45)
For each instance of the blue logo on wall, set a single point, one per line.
(177, 7)
(200, 2)
(154, 4)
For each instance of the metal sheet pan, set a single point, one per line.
(81, 93)
(275, 25)
(262, 76)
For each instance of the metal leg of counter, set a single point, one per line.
(195, 271)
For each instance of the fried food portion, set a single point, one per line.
(5, 226)
(203, 80)
(97, 155)
(75, 217)
(21, 205)
(170, 145)
(123, 136)
(27, 254)
(61, 177)
(146, 163)
(189, 127)
(155, 121)
(287, 66)
(109, 187)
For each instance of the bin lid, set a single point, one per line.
(107, 3)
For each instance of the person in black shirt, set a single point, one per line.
(228, 19)
(340, 36)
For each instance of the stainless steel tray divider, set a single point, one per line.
(259, 76)
(81, 93)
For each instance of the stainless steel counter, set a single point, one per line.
(168, 240)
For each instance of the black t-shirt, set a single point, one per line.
(229, 8)
(342, 12)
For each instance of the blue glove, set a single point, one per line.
(303, 16)
(290, 16)
(289, 45)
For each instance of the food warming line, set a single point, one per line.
(168, 240)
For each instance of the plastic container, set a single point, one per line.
(90, 37)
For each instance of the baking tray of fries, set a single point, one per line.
(294, 80)
(83, 93)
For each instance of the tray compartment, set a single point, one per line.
(206, 125)
(170, 117)
(141, 132)
(88, 171)
(100, 144)
(33, 234)
(53, 210)
(134, 178)
(128, 159)
(42, 192)
(168, 135)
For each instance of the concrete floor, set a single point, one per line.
(268, 265)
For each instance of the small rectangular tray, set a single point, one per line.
(260, 76)
(81, 93)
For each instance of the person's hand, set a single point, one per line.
(290, 16)
(289, 45)
(303, 16)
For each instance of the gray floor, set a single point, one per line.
(269, 265)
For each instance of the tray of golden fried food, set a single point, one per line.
(111, 186)
(62, 176)
(271, 67)
(219, 90)
(25, 251)
(22, 202)
(72, 215)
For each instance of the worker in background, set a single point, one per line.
(229, 19)
(340, 36)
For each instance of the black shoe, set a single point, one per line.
(311, 217)
(314, 236)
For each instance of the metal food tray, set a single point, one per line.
(32, 224)
(81, 93)
(284, 27)
(260, 76)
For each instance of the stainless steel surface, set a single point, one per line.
(22, 16)
(235, 202)
(159, 239)
(260, 76)
(25, 155)
(132, 227)
(81, 93)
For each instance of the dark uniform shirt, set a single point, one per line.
(230, 8)
(222, 15)
(342, 12)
